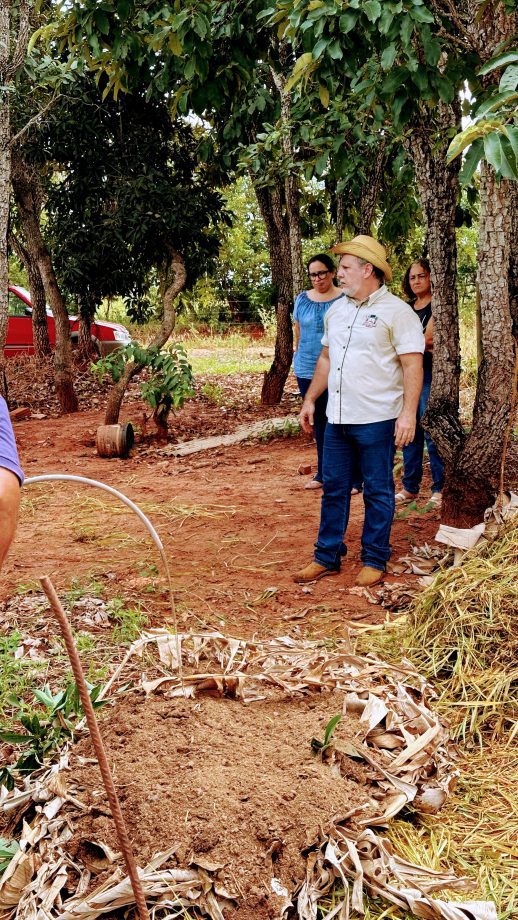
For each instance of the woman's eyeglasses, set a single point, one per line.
(319, 275)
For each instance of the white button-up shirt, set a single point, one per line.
(364, 340)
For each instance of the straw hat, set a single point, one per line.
(366, 247)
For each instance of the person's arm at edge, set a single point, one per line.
(428, 336)
(316, 388)
(412, 364)
(9, 505)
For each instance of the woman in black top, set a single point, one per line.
(416, 285)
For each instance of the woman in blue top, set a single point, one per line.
(308, 318)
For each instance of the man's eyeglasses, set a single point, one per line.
(319, 275)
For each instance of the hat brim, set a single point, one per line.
(363, 252)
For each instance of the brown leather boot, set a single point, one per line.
(312, 572)
(369, 576)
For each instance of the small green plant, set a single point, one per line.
(129, 620)
(79, 589)
(46, 728)
(289, 429)
(169, 380)
(8, 849)
(214, 393)
(320, 746)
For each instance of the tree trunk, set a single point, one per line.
(279, 246)
(5, 184)
(438, 188)
(291, 183)
(176, 284)
(86, 350)
(11, 58)
(40, 329)
(28, 197)
(340, 217)
(513, 262)
(472, 483)
(371, 190)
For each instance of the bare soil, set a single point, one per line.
(231, 784)
(236, 524)
(224, 784)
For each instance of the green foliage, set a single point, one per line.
(320, 746)
(8, 849)
(169, 380)
(493, 134)
(45, 728)
(129, 620)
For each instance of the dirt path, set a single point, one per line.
(236, 523)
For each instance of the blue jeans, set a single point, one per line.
(374, 444)
(320, 422)
(413, 454)
(319, 428)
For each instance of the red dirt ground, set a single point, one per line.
(236, 523)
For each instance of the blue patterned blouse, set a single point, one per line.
(310, 316)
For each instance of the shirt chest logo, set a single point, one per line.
(370, 320)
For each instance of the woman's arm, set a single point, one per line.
(428, 335)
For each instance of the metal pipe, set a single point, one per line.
(100, 753)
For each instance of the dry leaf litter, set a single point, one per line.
(230, 813)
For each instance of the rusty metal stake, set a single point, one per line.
(95, 734)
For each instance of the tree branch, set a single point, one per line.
(20, 49)
(35, 118)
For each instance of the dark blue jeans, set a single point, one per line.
(413, 454)
(374, 445)
(320, 422)
(319, 429)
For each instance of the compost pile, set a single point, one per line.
(232, 811)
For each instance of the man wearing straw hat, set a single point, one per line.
(371, 363)
(11, 478)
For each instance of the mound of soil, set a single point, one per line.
(226, 783)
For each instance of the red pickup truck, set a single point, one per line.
(106, 337)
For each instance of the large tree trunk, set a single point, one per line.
(176, 284)
(291, 182)
(40, 329)
(438, 189)
(513, 259)
(11, 59)
(279, 246)
(27, 193)
(472, 483)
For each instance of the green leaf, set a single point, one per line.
(509, 79)
(335, 50)
(495, 155)
(389, 56)
(421, 14)
(471, 161)
(102, 22)
(510, 57)
(372, 10)
(407, 28)
(512, 136)
(330, 727)
(495, 102)
(323, 94)
(13, 738)
(347, 21)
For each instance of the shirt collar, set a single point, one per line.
(372, 298)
